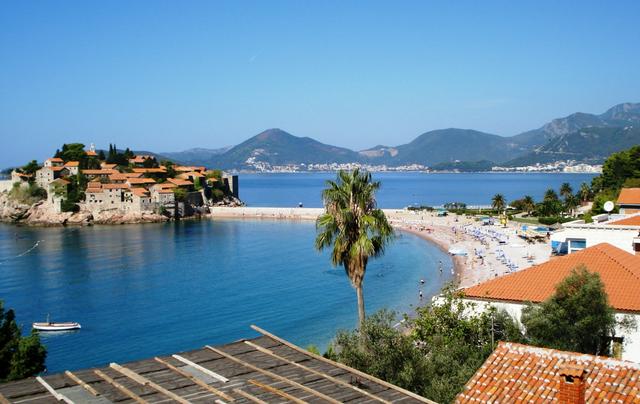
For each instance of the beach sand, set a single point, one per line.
(446, 232)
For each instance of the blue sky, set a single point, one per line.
(171, 75)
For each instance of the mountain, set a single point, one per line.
(591, 144)
(196, 156)
(277, 147)
(619, 115)
(448, 145)
(579, 136)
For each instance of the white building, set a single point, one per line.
(619, 271)
(622, 231)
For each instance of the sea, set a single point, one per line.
(402, 189)
(154, 289)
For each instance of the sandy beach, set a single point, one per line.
(483, 252)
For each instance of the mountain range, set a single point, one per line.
(580, 136)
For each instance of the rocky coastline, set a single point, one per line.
(43, 214)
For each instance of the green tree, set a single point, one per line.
(566, 190)
(585, 192)
(378, 349)
(498, 202)
(570, 203)
(30, 168)
(20, 356)
(456, 340)
(529, 204)
(576, 318)
(73, 152)
(353, 227)
(617, 169)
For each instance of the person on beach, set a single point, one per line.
(420, 294)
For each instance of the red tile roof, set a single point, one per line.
(108, 166)
(115, 186)
(627, 221)
(179, 182)
(141, 192)
(522, 373)
(629, 196)
(99, 172)
(619, 271)
(72, 164)
(161, 169)
(56, 159)
(117, 177)
(91, 153)
(141, 181)
(164, 185)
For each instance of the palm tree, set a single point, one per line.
(566, 190)
(353, 227)
(529, 204)
(498, 202)
(585, 192)
(570, 203)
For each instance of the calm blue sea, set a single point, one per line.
(144, 290)
(403, 189)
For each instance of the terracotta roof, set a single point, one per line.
(72, 164)
(619, 271)
(60, 181)
(59, 168)
(627, 221)
(164, 185)
(56, 159)
(194, 174)
(133, 175)
(115, 186)
(141, 181)
(140, 192)
(93, 190)
(179, 182)
(108, 166)
(101, 171)
(629, 196)
(91, 153)
(23, 175)
(164, 191)
(94, 184)
(150, 170)
(117, 177)
(522, 373)
(140, 159)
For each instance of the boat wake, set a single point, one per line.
(35, 245)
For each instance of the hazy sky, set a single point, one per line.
(171, 75)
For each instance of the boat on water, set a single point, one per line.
(56, 326)
(52, 326)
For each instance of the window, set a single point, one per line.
(577, 245)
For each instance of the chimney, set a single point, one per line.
(572, 384)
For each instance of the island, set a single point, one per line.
(84, 187)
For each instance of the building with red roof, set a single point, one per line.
(522, 373)
(629, 200)
(619, 271)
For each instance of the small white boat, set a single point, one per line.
(51, 326)
(48, 326)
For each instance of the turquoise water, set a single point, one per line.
(403, 189)
(144, 290)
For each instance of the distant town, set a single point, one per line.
(569, 166)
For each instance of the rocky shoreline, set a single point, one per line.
(43, 214)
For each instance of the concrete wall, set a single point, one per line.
(6, 185)
(631, 344)
(619, 237)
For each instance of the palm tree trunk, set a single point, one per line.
(360, 306)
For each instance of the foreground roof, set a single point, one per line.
(629, 196)
(618, 269)
(265, 368)
(627, 221)
(523, 373)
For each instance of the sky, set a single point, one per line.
(173, 75)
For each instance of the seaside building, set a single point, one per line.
(618, 269)
(72, 166)
(523, 373)
(629, 200)
(47, 174)
(622, 231)
(261, 370)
